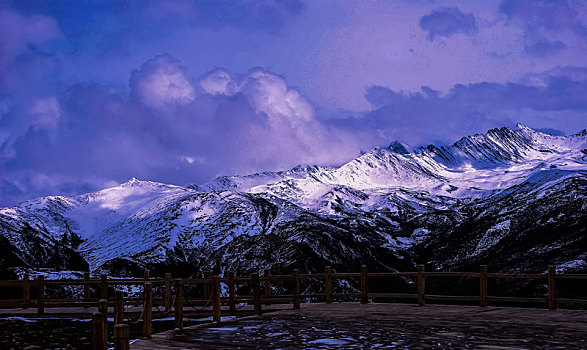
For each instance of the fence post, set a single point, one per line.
(168, 296)
(421, 286)
(86, 287)
(118, 308)
(207, 275)
(256, 293)
(231, 292)
(364, 285)
(146, 274)
(483, 292)
(97, 333)
(26, 290)
(216, 299)
(121, 337)
(328, 281)
(178, 303)
(296, 288)
(552, 302)
(41, 296)
(267, 285)
(103, 310)
(148, 310)
(104, 287)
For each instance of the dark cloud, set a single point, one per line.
(425, 116)
(552, 15)
(571, 72)
(243, 14)
(116, 28)
(543, 48)
(550, 131)
(21, 47)
(541, 20)
(247, 14)
(448, 21)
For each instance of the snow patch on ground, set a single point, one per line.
(573, 265)
(329, 341)
(492, 236)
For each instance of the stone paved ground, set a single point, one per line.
(70, 327)
(401, 326)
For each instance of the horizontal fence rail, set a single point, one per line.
(211, 293)
(104, 287)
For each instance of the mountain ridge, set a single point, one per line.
(385, 208)
(456, 170)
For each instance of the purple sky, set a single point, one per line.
(93, 93)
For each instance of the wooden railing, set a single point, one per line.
(174, 295)
(103, 285)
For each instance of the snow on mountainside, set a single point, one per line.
(388, 207)
(141, 218)
(474, 166)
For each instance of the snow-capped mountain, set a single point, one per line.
(489, 198)
(475, 166)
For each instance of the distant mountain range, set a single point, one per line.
(515, 199)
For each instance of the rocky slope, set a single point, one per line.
(512, 198)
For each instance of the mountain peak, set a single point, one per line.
(133, 181)
(528, 130)
(399, 147)
(523, 127)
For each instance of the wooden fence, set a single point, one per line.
(174, 297)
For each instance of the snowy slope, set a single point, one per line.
(142, 218)
(474, 166)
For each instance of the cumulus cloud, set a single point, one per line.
(448, 21)
(280, 128)
(218, 82)
(162, 82)
(220, 125)
(269, 94)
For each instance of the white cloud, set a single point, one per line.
(161, 83)
(288, 134)
(193, 159)
(269, 94)
(218, 82)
